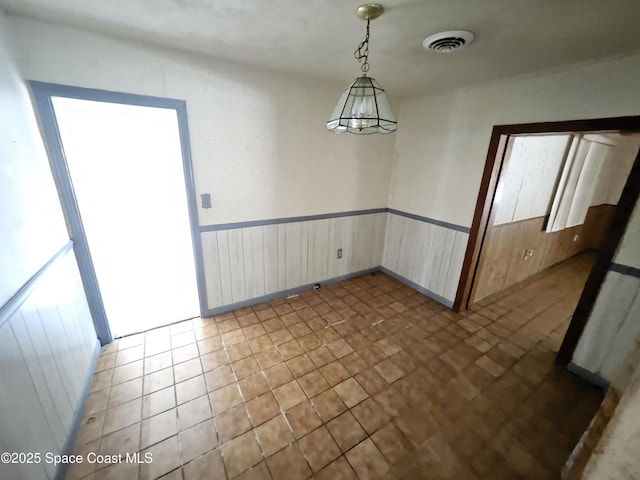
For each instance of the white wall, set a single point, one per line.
(47, 340)
(616, 455)
(442, 140)
(258, 138)
(613, 330)
(31, 221)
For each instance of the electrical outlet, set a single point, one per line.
(576, 237)
(339, 253)
(206, 200)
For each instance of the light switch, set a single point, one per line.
(206, 200)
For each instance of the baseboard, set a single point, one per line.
(415, 286)
(69, 445)
(588, 376)
(285, 293)
(309, 286)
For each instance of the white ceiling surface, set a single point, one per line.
(313, 37)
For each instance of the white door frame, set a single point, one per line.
(42, 94)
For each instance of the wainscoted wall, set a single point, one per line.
(250, 262)
(613, 328)
(47, 349)
(503, 262)
(425, 254)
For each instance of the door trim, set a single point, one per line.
(42, 93)
(486, 196)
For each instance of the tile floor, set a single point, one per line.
(362, 379)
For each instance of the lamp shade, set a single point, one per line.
(363, 109)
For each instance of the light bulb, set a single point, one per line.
(362, 107)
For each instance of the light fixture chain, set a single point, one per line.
(362, 52)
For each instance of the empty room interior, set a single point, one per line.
(212, 270)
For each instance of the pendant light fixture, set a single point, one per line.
(363, 108)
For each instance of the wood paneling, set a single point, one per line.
(428, 255)
(47, 348)
(486, 194)
(503, 261)
(241, 264)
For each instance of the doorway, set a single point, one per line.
(498, 151)
(123, 171)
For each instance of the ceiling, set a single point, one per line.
(313, 37)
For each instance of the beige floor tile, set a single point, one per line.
(214, 360)
(157, 362)
(245, 367)
(289, 463)
(159, 427)
(182, 339)
(303, 418)
(96, 402)
(239, 351)
(193, 412)
(346, 431)
(241, 454)
(328, 405)
(122, 416)
(127, 372)
(334, 373)
(122, 442)
(313, 383)
(165, 457)
(218, 378)
(190, 389)
(319, 448)
(209, 344)
(129, 355)
(300, 365)
(274, 435)
(123, 392)
(289, 395)
(262, 408)
(367, 461)
(209, 465)
(404, 386)
(389, 370)
(90, 428)
(158, 380)
(157, 345)
(198, 440)
(182, 354)
(225, 398)
(278, 375)
(158, 402)
(337, 470)
(105, 362)
(101, 380)
(232, 423)
(118, 471)
(351, 392)
(186, 370)
(253, 386)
